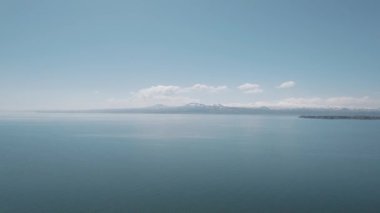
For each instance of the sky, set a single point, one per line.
(82, 54)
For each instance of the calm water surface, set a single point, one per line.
(187, 163)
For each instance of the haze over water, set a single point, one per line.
(187, 163)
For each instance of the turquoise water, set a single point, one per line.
(187, 163)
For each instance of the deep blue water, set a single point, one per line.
(187, 163)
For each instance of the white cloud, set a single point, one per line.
(286, 85)
(316, 102)
(250, 88)
(205, 88)
(169, 95)
(161, 94)
(156, 91)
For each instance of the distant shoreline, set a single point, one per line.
(338, 117)
(196, 108)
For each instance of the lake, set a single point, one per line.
(187, 163)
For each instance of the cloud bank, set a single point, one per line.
(173, 95)
(170, 95)
(333, 102)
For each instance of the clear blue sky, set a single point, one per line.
(93, 54)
